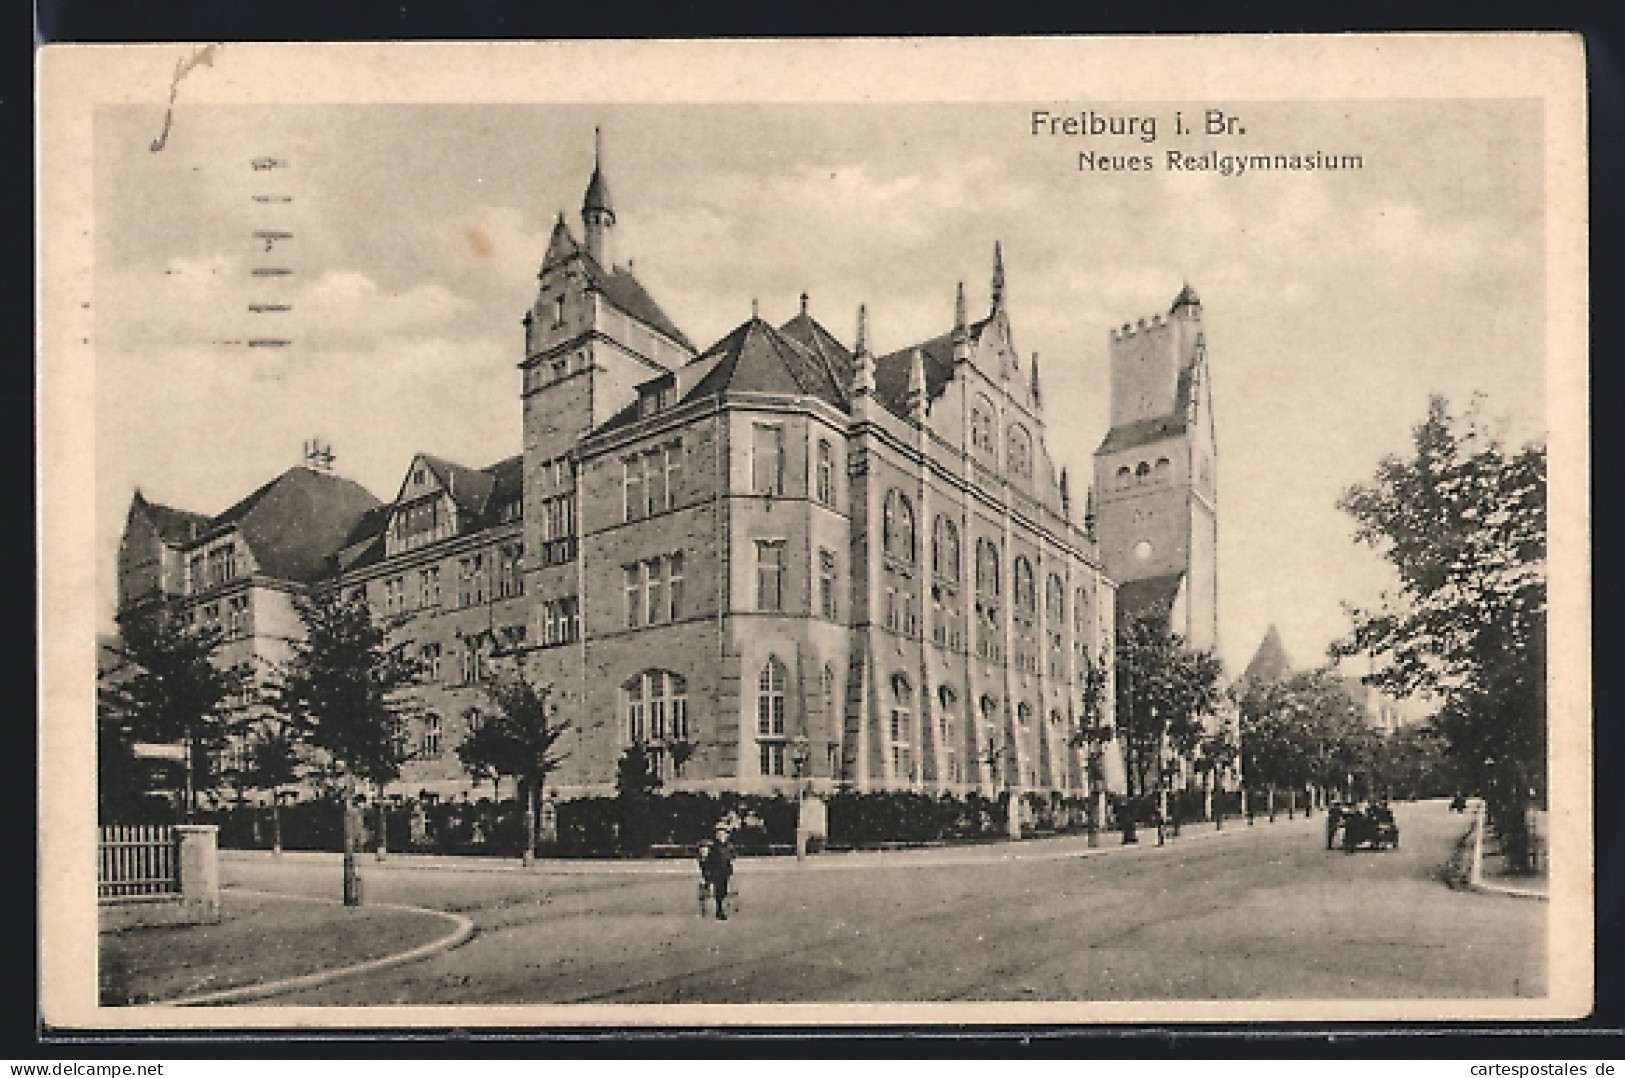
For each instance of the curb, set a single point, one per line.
(463, 930)
(1475, 869)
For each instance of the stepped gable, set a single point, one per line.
(297, 522)
(756, 358)
(892, 370)
(618, 285)
(1270, 662)
(1152, 596)
(174, 526)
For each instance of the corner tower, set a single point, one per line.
(1155, 493)
(591, 336)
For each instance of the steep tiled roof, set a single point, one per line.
(174, 526)
(1269, 662)
(805, 331)
(1141, 432)
(1152, 595)
(623, 290)
(756, 358)
(892, 370)
(470, 489)
(618, 286)
(295, 523)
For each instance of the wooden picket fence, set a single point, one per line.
(136, 862)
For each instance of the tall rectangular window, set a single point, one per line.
(674, 472)
(825, 483)
(767, 459)
(770, 574)
(826, 584)
(654, 481)
(633, 584)
(632, 473)
(674, 587)
(654, 591)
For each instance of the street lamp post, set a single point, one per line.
(799, 755)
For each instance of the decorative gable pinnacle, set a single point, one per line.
(917, 399)
(863, 364)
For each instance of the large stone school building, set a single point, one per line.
(778, 561)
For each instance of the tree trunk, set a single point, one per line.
(532, 789)
(383, 837)
(276, 826)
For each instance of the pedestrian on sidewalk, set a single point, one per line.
(717, 866)
(1334, 818)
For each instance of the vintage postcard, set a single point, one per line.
(1037, 531)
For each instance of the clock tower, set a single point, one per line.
(1156, 495)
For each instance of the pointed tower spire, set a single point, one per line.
(1038, 398)
(1066, 496)
(597, 215)
(916, 388)
(961, 336)
(1089, 512)
(863, 364)
(998, 276)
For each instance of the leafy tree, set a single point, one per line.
(1164, 692)
(1463, 522)
(345, 690)
(517, 739)
(635, 774)
(271, 759)
(169, 688)
(1305, 729)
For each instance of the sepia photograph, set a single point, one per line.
(1045, 530)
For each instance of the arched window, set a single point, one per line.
(770, 698)
(1142, 471)
(897, 526)
(981, 424)
(1026, 589)
(1021, 452)
(770, 717)
(987, 568)
(825, 480)
(947, 707)
(1125, 478)
(1055, 601)
(1162, 470)
(901, 727)
(945, 549)
(1024, 714)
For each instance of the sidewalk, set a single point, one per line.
(1496, 873)
(1033, 849)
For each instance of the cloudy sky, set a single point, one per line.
(1334, 302)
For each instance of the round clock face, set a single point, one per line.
(1142, 550)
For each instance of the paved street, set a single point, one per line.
(1253, 913)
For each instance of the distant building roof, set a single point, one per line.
(297, 521)
(1152, 596)
(1269, 662)
(174, 526)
